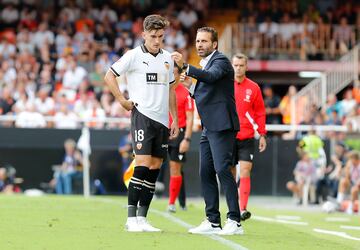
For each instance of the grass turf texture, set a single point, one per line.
(54, 222)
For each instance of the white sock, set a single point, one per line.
(340, 197)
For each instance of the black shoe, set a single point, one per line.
(245, 215)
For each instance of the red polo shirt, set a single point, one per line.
(250, 108)
(184, 103)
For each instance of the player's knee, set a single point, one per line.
(175, 170)
(290, 185)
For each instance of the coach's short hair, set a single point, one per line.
(212, 31)
(155, 22)
(241, 56)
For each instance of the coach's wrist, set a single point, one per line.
(187, 139)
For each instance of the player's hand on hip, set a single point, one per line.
(127, 104)
(262, 144)
(184, 146)
(174, 131)
(178, 58)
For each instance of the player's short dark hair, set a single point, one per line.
(241, 56)
(155, 22)
(212, 31)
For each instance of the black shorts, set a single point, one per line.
(244, 150)
(174, 146)
(149, 137)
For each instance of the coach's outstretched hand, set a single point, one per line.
(178, 58)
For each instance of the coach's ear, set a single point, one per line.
(215, 45)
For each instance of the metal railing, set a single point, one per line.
(11, 119)
(331, 82)
(318, 41)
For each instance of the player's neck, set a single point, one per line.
(240, 79)
(147, 47)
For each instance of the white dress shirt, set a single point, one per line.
(203, 63)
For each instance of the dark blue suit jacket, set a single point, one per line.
(214, 94)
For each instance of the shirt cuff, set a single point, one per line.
(192, 89)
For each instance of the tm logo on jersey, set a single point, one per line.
(151, 77)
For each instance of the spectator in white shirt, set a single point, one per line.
(43, 35)
(30, 118)
(187, 17)
(73, 77)
(108, 14)
(44, 103)
(65, 119)
(9, 15)
(7, 49)
(81, 105)
(95, 112)
(348, 103)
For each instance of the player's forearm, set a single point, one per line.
(172, 105)
(189, 124)
(111, 82)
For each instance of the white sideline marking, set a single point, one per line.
(287, 217)
(182, 223)
(268, 219)
(350, 227)
(336, 233)
(334, 219)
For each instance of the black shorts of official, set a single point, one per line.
(149, 137)
(244, 150)
(174, 147)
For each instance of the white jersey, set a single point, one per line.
(148, 78)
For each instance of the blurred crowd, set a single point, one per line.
(342, 109)
(306, 30)
(54, 54)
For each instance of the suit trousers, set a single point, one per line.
(216, 149)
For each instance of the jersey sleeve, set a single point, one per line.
(189, 103)
(171, 73)
(123, 64)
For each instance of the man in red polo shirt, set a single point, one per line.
(251, 111)
(180, 145)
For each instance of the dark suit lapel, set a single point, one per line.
(207, 66)
(211, 59)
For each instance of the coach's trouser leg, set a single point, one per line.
(209, 183)
(221, 144)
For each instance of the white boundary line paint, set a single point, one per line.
(350, 227)
(336, 233)
(336, 219)
(223, 241)
(182, 223)
(268, 219)
(288, 217)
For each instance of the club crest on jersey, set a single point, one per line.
(248, 93)
(167, 65)
(139, 145)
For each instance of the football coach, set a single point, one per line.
(214, 97)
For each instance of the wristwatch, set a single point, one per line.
(185, 66)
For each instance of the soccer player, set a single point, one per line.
(149, 71)
(179, 146)
(251, 111)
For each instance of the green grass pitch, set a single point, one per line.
(54, 222)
